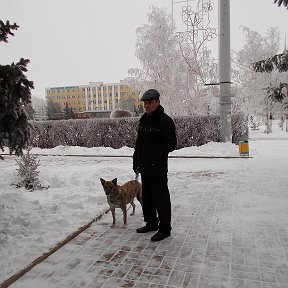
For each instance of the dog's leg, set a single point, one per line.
(124, 217)
(133, 205)
(113, 217)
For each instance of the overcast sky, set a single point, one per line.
(72, 42)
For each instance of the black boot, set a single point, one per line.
(160, 235)
(147, 228)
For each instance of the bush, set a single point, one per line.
(119, 132)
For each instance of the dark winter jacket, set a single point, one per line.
(156, 138)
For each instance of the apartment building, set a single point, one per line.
(97, 99)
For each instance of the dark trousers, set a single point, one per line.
(156, 201)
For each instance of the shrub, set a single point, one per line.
(119, 132)
(28, 172)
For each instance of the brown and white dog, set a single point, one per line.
(118, 196)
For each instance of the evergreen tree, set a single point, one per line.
(15, 94)
(28, 172)
(67, 114)
(280, 2)
(72, 114)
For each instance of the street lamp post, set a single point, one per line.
(225, 70)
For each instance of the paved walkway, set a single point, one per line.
(229, 230)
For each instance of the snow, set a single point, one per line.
(31, 223)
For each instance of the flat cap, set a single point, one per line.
(150, 95)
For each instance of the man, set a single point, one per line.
(156, 138)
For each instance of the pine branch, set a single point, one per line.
(279, 62)
(280, 2)
(6, 30)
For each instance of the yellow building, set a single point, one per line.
(93, 99)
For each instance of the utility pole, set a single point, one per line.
(225, 70)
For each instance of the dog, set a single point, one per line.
(118, 196)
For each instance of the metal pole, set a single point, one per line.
(225, 70)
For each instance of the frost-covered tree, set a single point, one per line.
(29, 111)
(201, 67)
(164, 67)
(277, 91)
(39, 105)
(156, 49)
(251, 96)
(127, 104)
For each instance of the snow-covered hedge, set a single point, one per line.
(119, 132)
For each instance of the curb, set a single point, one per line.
(130, 156)
(44, 256)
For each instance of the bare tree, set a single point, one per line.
(165, 69)
(251, 92)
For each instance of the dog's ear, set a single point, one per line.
(114, 181)
(102, 181)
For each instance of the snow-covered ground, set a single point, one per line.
(31, 223)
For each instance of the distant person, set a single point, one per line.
(156, 138)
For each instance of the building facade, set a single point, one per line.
(97, 99)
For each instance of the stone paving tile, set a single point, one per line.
(214, 243)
